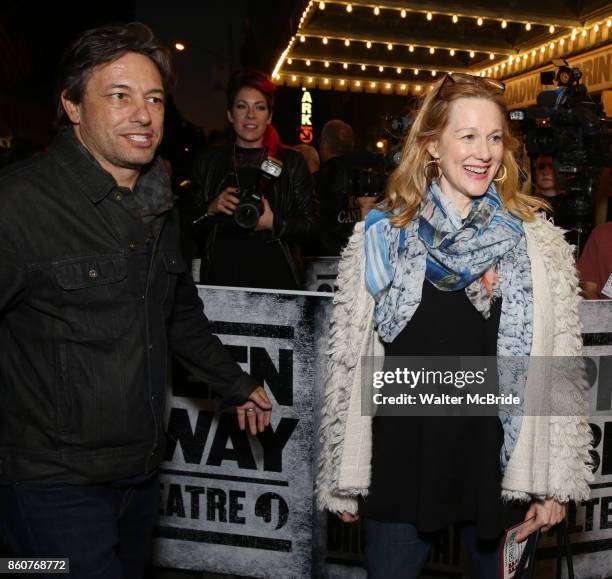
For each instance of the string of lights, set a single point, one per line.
(455, 17)
(500, 63)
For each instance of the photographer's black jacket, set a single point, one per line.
(291, 199)
(91, 301)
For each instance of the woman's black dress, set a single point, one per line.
(433, 471)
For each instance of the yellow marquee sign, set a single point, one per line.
(596, 67)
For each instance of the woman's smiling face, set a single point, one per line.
(470, 150)
(250, 117)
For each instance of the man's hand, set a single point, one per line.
(225, 202)
(256, 411)
(546, 515)
(266, 221)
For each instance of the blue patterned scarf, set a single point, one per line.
(454, 255)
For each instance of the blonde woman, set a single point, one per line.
(455, 262)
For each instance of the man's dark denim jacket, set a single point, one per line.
(90, 305)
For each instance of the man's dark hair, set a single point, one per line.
(337, 137)
(103, 45)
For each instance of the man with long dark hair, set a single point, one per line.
(94, 294)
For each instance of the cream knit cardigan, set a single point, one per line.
(551, 457)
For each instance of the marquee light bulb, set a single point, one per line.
(389, 46)
(432, 50)
(345, 66)
(429, 16)
(491, 56)
(349, 7)
(479, 21)
(347, 42)
(455, 19)
(403, 14)
(363, 67)
(368, 44)
(416, 71)
(321, 5)
(551, 29)
(472, 54)
(398, 70)
(381, 68)
(289, 61)
(504, 24)
(411, 48)
(302, 38)
(325, 41)
(528, 26)
(308, 63)
(452, 52)
(376, 11)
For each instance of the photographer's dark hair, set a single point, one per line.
(100, 46)
(248, 77)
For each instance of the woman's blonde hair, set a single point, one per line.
(408, 183)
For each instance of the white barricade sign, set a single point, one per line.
(244, 506)
(590, 522)
(231, 503)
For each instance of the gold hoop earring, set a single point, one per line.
(435, 161)
(499, 179)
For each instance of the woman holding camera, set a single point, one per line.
(264, 249)
(455, 262)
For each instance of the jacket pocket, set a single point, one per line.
(63, 397)
(174, 265)
(173, 261)
(82, 273)
(93, 297)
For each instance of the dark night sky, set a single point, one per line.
(219, 34)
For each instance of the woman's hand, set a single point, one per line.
(544, 514)
(225, 202)
(266, 221)
(347, 517)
